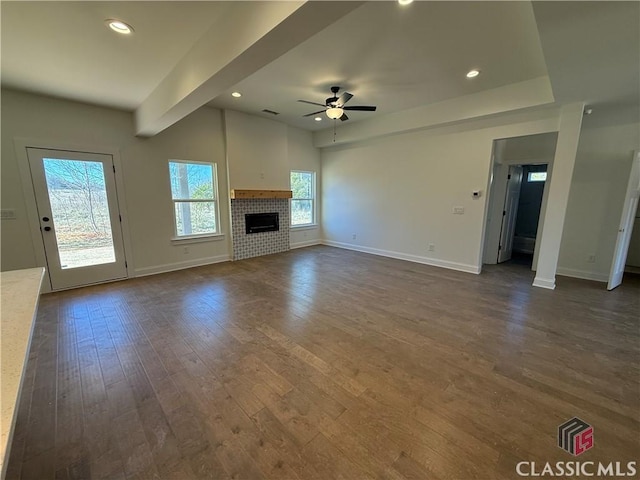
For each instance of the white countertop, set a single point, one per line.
(20, 290)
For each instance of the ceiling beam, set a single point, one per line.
(248, 37)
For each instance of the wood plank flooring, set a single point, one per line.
(322, 363)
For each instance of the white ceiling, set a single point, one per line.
(64, 49)
(397, 58)
(592, 52)
(386, 55)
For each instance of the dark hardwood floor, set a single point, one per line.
(323, 363)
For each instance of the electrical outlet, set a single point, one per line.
(432, 247)
(458, 210)
(591, 259)
(185, 250)
(354, 236)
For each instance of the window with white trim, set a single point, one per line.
(303, 202)
(194, 191)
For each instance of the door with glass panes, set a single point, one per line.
(79, 216)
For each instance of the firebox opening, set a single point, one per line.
(261, 222)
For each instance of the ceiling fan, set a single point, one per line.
(334, 106)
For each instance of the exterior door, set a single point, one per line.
(509, 213)
(79, 216)
(626, 225)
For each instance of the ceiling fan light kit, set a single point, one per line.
(334, 113)
(334, 106)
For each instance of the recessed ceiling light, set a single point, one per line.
(473, 73)
(119, 26)
(318, 119)
(236, 94)
(405, 2)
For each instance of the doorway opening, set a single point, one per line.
(527, 216)
(517, 199)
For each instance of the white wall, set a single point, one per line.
(396, 193)
(256, 152)
(198, 137)
(262, 152)
(599, 184)
(148, 209)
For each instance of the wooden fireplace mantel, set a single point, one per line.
(237, 193)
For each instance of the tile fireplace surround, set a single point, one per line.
(263, 243)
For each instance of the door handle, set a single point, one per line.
(46, 229)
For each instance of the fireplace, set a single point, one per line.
(261, 222)
(263, 241)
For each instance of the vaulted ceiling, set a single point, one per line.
(183, 55)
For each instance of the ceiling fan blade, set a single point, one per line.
(344, 117)
(312, 103)
(344, 98)
(361, 108)
(314, 113)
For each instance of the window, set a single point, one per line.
(194, 192)
(537, 177)
(303, 186)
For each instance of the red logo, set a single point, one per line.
(575, 436)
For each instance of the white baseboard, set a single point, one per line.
(170, 267)
(583, 274)
(548, 283)
(434, 262)
(307, 243)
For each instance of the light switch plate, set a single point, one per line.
(458, 210)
